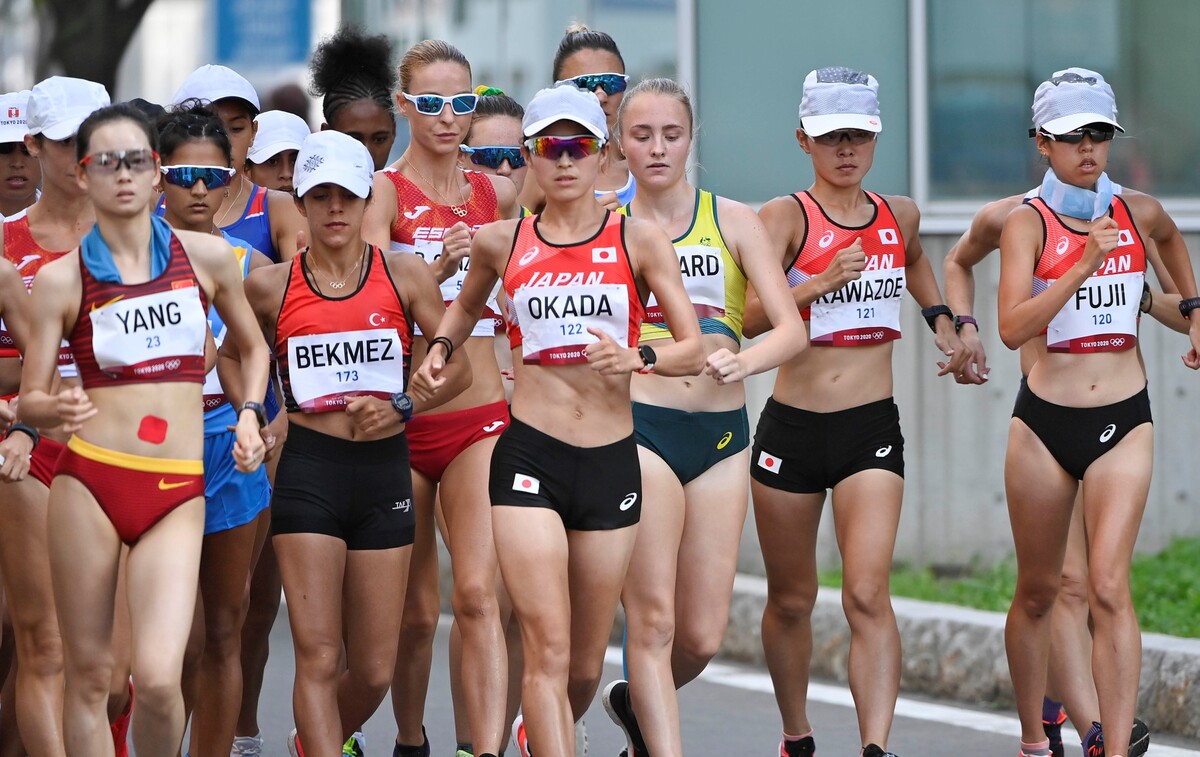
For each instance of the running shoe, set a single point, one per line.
(619, 709)
(120, 727)
(247, 746)
(804, 747)
(1139, 740)
(519, 738)
(873, 750)
(1053, 729)
(293, 742)
(463, 753)
(413, 751)
(356, 745)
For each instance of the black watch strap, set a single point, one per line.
(260, 412)
(403, 405)
(1187, 305)
(931, 315)
(646, 353)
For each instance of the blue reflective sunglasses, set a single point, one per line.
(610, 83)
(214, 177)
(432, 105)
(492, 156)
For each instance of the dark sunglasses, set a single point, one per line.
(214, 177)
(856, 137)
(137, 161)
(1096, 133)
(7, 148)
(492, 156)
(432, 105)
(610, 83)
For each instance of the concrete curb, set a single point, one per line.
(958, 653)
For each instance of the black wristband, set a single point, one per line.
(1187, 305)
(445, 341)
(931, 315)
(29, 431)
(1147, 301)
(260, 412)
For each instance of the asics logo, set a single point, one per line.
(416, 212)
(164, 486)
(725, 440)
(826, 239)
(528, 257)
(883, 451)
(629, 501)
(1061, 247)
(489, 428)
(1109, 430)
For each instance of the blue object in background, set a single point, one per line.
(262, 34)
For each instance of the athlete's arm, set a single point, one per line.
(264, 292)
(56, 294)
(751, 247)
(490, 248)
(506, 196)
(380, 214)
(287, 225)
(1172, 250)
(424, 300)
(14, 304)
(976, 243)
(259, 260)
(1021, 315)
(656, 263)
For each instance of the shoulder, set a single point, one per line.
(203, 248)
(906, 212)
(404, 265)
(733, 214)
(784, 206)
(276, 198)
(383, 182)
(506, 190)
(56, 275)
(641, 233)
(989, 220)
(1141, 204)
(267, 280)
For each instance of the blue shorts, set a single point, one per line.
(231, 498)
(690, 443)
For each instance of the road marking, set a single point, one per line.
(987, 722)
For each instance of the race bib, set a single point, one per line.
(490, 322)
(555, 320)
(1101, 316)
(864, 311)
(214, 394)
(151, 335)
(328, 370)
(703, 271)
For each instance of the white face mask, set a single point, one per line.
(1078, 202)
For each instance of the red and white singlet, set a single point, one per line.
(28, 256)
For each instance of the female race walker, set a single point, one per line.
(692, 432)
(20, 172)
(565, 485)
(831, 422)
(339, 317)
(426, 205)
(271, 161)
(353, 75)
(591, 61)
(131, 300)
(1072, 269)
(197, 170)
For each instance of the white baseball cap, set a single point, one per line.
(1072, 98)
(14, 114)
(565, 102)
(331, 157)
(278, 130)
(58, 105)
(839, 98)
(211, 82)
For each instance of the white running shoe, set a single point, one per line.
(247, 746)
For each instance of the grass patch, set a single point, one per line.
(1166, 587)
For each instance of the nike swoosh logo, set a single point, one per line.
(164, 486)
(106, 304)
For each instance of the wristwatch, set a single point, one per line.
(1147, 298)
(1187, 305)
(403, 405)
(931, 315)
(260, 413)
(963, 320)
(646, 353)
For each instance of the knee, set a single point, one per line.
(583, 679)
(866, 600)
(474, 602)
(1109, 593)
(158, 693)
(696, 646)
(374, 679)
(1073, 590)
(40, 651)
(419, 623)
(548, 657)
(650, 627)
(319, 662)
(90, 677)
(793, 607)
(223, 634)
(1035, 597)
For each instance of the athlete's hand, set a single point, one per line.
(74, 408)
(609, 201)
(14, 457)
(726, 366)
(428, 378)
(976, 370)
(1102, 239)
(372, 415)
(948, 342)
(508, 374)
(249, 449)
(847, 265)
(608, 358)
(301, 240)
(456, 245)
(8, 413)
(1192, 358)
(273, 435)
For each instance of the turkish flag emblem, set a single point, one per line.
(769, 462)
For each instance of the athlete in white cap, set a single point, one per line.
(340, 319)
(831, 422)
(271, 160)
(1073, 262)
(20, 172)
(565, 483)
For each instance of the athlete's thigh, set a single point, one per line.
(531, 545)
(787, 525)
(1040, 496)
(312, 568)
(371, 580)
(1115, 489)
(423, 563)
(84, 554)
(24, 563)
(225, 561)
(467, 509)
(598, 562)
(652, 567)
(1075, 561)
(866, 516)
(712, 535)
